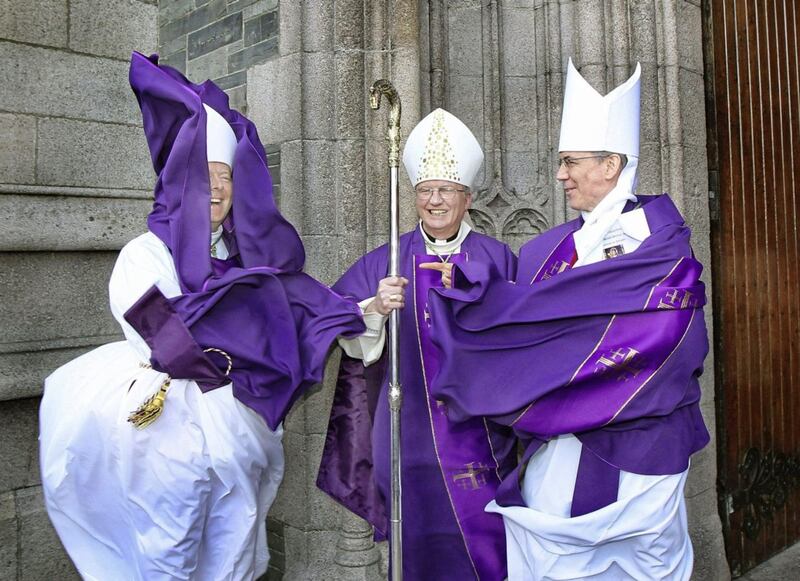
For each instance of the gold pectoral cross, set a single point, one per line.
(472, 478)
(624, 362)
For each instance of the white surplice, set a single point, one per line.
(185, 498)
(641, 536)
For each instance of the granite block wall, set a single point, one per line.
(75, 182)
(218, 40)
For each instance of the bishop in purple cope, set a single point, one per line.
(592, 357)
(450, 470)
(221, 323)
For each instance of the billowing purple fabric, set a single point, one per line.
(275, 322)
(610, 351)
(346, 471)
(466, 542)
(174, 350)
(175, 126)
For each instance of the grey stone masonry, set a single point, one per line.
(214, 36)
(218, 40)
(75, 183)
(312, 103)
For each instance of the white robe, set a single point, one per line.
(641, 536)
(185, 498)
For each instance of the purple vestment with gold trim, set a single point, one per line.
(610, 352)
(450, 471)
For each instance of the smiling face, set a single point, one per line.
(441, 206)
(587, 177)
(219, 175)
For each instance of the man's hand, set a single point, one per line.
(445, 268)
(390, 295)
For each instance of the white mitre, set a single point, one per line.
(593, 122)
(441, 147)
(220, 138)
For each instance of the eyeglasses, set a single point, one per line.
(446, 192)
(569, 162)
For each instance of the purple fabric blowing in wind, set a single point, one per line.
(274, 321)
(609, 351)
(442, 506)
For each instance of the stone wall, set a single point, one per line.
(218, 40)
(312, 102)
(75, 183)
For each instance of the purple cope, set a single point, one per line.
(450, 471)
(610, 352)
(275, 322)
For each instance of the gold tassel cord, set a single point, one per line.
(225, 355)
(153, 406)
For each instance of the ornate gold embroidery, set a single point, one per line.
(472, 478)
(676, 299)
(438, 158)
(624, 362)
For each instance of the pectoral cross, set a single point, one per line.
(427, 316)
(472, 478)
(624, 362)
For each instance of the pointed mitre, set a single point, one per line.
(220, 138)
(441, 147)
(593, 122)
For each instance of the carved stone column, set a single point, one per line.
(356, 551)
(488, 66)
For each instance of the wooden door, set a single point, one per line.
(753, 88)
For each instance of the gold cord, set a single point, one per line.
(153, 406)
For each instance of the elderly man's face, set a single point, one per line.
(219, 175)
(441, 206)
(587, 178)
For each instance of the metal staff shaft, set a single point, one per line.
(385, 88)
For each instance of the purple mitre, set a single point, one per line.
(175, 126)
